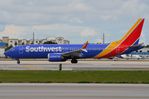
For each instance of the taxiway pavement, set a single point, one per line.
(74, 91)
(82, 65)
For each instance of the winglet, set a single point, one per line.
(85, 45)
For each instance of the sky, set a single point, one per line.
(75, 20)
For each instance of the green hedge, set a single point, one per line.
(74, 76)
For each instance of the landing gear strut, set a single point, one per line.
(74, 61)
(18, 61)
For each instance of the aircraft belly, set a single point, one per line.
(34, 55)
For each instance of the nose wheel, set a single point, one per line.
(74, 61)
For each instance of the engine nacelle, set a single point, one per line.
(56, 57)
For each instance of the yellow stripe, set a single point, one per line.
(115, 44)
(110, 47)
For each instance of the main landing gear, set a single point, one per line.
(74, 61)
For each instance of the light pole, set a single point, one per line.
(103, 38)
(33, 37)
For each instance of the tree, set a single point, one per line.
(49, 42)
(9, 47)
(147, 46)
(23, 43)
(15, 43)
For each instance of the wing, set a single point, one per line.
(76, 53)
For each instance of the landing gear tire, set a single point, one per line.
(18, 61)
(74, 61)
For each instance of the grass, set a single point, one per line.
(74, 76)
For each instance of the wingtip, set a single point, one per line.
(85, 45)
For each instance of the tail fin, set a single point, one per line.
(129, 39)
(133, 35)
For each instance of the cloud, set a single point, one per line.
(63, 28)
(12, 29)
(71, 18)
(46, 30)
(88, 32)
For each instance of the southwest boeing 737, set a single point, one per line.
(62, 52)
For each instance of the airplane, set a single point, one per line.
(130, 56)
(62, 52)
(3, 44)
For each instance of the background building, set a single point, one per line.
(58, 40)
(15, 42)
(5, 39)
